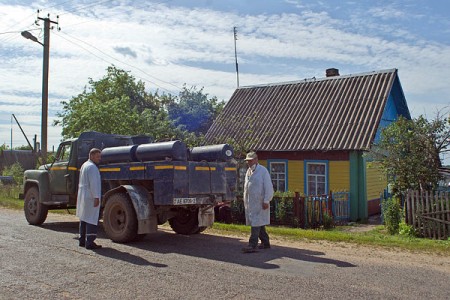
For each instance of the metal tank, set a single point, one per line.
(222, 152)
(173, 150)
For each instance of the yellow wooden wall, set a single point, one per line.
(296, 176)
(376, 181)
(339, 176)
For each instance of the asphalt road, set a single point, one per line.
(46, 263)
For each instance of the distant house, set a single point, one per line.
(312, 134)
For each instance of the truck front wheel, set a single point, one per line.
(119, 219)
(35, 211)
(185, 222)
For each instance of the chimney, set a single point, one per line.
(332, 72)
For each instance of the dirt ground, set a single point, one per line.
(45, 262)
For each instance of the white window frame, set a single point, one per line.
(316, 177)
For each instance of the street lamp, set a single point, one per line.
(29, 36)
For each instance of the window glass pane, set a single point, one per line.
(278, 175)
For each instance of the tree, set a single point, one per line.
(118, 104)
(409, 152)
(114, 104)
(193, 110)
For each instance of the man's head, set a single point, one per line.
(251, 158)
(95, 155)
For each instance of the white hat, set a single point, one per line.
(251, 156)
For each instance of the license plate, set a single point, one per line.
(181, 201)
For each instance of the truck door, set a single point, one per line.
(59, 170)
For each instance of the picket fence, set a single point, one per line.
(429, 213)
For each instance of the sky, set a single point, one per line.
(167, 44)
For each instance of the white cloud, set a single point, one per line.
(167, 46)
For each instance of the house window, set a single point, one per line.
(316, 178)
(278, 173)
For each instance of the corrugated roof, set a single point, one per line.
(332, 113)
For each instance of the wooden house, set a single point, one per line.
(311, 134)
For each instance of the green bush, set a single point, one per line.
(391, 214)
(406, 230)
(16, 171)
(327, 221)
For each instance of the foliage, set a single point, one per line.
(4, 147)
(9, 193)
(391, 214)
(408, 151)
(283, 206)
(24, 147)
(110, 105)
(119, 104)
(16, 171)
(406, 230)
(193, 110)
(327, 221)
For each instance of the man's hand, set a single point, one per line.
(96, 202)
(265, 205)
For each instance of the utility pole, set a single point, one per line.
(45, 71)
(235, 55)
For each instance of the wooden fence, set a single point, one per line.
(302, 211)
(429, 213)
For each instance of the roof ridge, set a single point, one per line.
(314, 79)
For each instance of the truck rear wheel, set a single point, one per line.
(35, 211)
(119, 219)
(185, 222)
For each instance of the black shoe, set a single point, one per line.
(81, 244)
(263, 246)
(249, 249)
(93, 246)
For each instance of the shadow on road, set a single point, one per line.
(126, 257)
(219, 248)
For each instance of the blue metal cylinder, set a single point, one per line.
(119, 154)
(173, 150)
(222, 152)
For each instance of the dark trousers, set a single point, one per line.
(258, 233)
(88, 233)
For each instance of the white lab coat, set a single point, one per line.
(89, 188)
(258, 188)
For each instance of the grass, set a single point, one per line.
(377, 237)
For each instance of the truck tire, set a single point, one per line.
(35, 211)
(185, 222)
(201, 229)
(119, 219)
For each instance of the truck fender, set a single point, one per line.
(41, 180)
(143, 206)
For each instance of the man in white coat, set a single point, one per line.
(258, 191)
(88, 200)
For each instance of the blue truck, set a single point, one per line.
(144, 183)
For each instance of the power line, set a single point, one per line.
(166, 82)
(109, 62)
